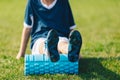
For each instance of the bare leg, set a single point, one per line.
(63, 47)
(38, 47)
(41, 47)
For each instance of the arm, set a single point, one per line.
(24, 42)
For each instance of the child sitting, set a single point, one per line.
(50, 24)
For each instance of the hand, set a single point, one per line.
(19, 55)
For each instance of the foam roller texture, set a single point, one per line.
(41, 64)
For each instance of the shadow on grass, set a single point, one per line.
(91, 68)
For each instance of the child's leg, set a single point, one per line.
(38, 47)
(63, 45)
(47, 46)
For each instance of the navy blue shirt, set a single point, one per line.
(59, 18)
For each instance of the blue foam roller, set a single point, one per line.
(41, 64)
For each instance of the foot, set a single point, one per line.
(51, 45)
(75, 42)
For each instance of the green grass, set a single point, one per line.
(97, 20)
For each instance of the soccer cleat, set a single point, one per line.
(75, 43)
(51, 45)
